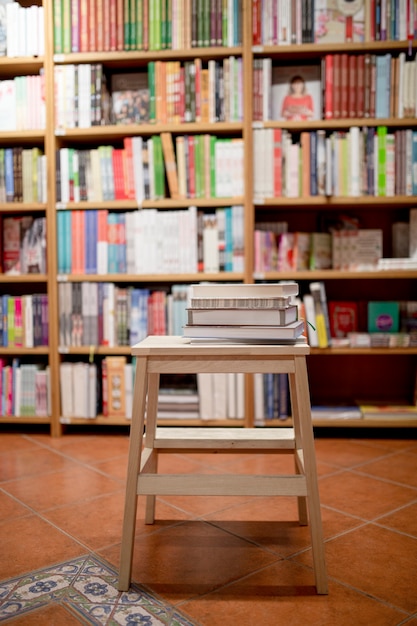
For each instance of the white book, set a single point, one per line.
(151, 169)
(240, 396)
(231, 395)
(258, 398)
(266, 89)
(28, 320)
(80, 389)
(41, 30)
(205, 395)
(22, 35)
(92, 391)
(109, 322)
(240, 290)
(210, 243)
(12, 19)
(7, 105)
(355, 162)
(65, 377)
(84, 95)
(64, 178)
(289, 332)
(130, 242)
(219, 382)
(310, 314)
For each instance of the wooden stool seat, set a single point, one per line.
(156, 355)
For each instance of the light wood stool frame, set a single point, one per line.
(160, 354)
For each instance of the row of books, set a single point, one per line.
(22, 175)
(325, 21)
(22, 29)
(108, 315)
(271, 397)
(24, 389)
(343, 249)
(22, 103)
(369, 161)
(24, 321)
(90, 389)
(371, 324)
(150, 241)
(145, 25)
(175, 92)
(342, 86)
(201, 166)
(23, 245)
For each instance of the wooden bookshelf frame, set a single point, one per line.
(53, 138)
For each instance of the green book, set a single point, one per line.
(132, 25)
(152, 98)
(382, 159)
(159, 169)
(213, 141)
(169, 25)
(157, 24)
(58, 47)
(224, 23)
(200, 23)
(126, 23)
(163, 30)
(139, 24)
(151, 25)
(383, 317)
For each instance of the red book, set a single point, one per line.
(106, 25)
(336, 85)
(92, 25)
(100, 26)
(113, 25)
(352, 112)
(78, 242)
(343, 317)
(344, 85)
(256, 23)
(84, 39)
(18, 322)
(128, 168)
(328, 89)
(361, 85)
(118, 174)
(120, 40)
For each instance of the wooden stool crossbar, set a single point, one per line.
(157, 355)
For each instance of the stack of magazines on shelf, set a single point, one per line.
(262, 312)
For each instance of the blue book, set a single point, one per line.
(135, 316)
(8, 174)
(121, 244)
(313, 164)
(91, 242)
(383, 84)
(228, 266)
(4, 311)
(112, 222)
(60, 226)
(67, 243)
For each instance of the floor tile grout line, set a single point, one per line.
(383, 479)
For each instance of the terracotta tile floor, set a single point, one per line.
(220, 561)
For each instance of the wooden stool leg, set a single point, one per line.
(301, 500)
(302, 398)
(134, 460)
(151, 420)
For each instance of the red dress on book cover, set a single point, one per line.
(297, 107)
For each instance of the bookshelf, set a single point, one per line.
(336, 373)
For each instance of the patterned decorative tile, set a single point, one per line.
(87, 587)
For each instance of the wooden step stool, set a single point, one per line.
(175, 355)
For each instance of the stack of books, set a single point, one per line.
(238, 312)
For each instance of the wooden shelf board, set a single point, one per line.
(129, 130)
(150, 278)
(6, 419)
(22, 207)
(135, 58)
(102, 350)
(100, 420)
(335, 275)
(337, 123)
(317, 49)
(23, 278)
(22, 136)
(313, 202)
(41, 350)
(363, 351)
(348, 423)
(166, 203)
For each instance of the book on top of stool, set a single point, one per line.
(243, 312)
